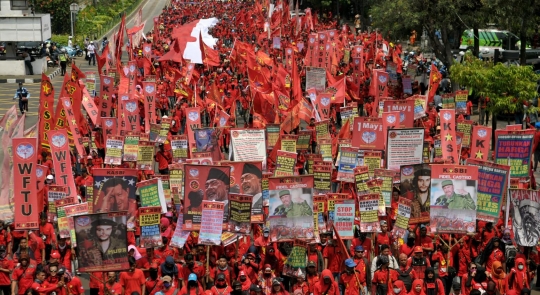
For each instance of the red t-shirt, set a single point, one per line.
(75, 286)
(132, 281)
(24, 277)
(334, 256)
(4, 277)
(48, 231)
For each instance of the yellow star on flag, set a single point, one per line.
(85, 98)
(479, 155)
(46, 88)
(450, 170)
(448, 137)
(105, 97)
(74, 122)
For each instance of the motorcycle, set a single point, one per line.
(51, 63)
(78, 51)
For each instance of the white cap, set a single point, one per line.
(50, 177)
(165, 117)
(89, 157)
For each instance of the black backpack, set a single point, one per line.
(405, 277)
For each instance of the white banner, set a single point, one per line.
(405, 147)
(249, 145)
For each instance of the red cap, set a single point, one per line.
(418, 249)
(241, 273)
(55, 254)
(154, 265)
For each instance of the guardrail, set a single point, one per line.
(115, 22)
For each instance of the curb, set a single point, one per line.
(30, 80)
(128, 18)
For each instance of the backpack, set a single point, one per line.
(510, 253)
(405, 277)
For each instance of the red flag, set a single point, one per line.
(296, 88)
(338, 90)
(210, 56)
(434, 80)
(24, 183)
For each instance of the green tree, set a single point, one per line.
(508, 87)
(59, 10)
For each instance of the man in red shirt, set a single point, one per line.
(133, 279)
(23, 275)
(43, 287)
(382, 238)
(163, 158)
(114, 287)
(333, 260)
(46, 231)
(6, 265)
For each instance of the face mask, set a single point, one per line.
(266, 235)
(520, 267)
(267, 275)
(166, 284)
(397, 290)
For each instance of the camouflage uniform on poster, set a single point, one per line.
(454, 201)
(290, 208)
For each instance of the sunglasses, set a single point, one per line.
(360, 251)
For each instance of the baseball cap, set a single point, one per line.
(358, 248)
(275, 282)
(241, 273)
(192, 277)
(55, 254)
(168, 278)
(349, 262)
(418, 249)
(311, 263)
(50, 177)
(383, 222)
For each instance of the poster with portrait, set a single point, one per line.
(291, 208)
(453, 199)
(246, 178)
(114, 190)
(204, 183)
(206, 140)
(524, 209)
(102, 241)
(415, 185)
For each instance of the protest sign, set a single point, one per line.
(291, 207)
(492, 186)
(25, 152)
(387, 177)
(404, 147)
(347, 164)
(204, 183)
(368, 208)
(211, 223)
(131, 146)
(461, 101)
(114, 190)
(180, 236)
(480, 142)
(145, 156)
(465, 127)
(304, 140)
(288, 143)
(372, 159)
(448, 101)
(298, 255)
(59, 143)
(402, 218)
(322, 179)
(240, 213)
(448, 136)
(248, 145)
(246, 178)
(344, 213)
(516, 147)
(361, 176)
(193, 121)
(332, 198)
(151, 194)
(206, 140)
(179, 146)
(524, 204)
(415, 185)
(453, 198)
(272, 135)
(149, 221)
(368, 133)
(285, 163)
(94, 231)
(113, 151)
(76, 209)
(325, 149)
(405, 109)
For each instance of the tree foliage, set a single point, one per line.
(60, 14)
(508, 87)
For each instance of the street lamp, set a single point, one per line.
(73, 8)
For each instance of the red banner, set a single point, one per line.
(70, 117)
(312, 50)
(480, 142)
(41, 175)
(106, 91)
(193, 121)
(27, 207)
(448, 136)
(405, 109)
(109, 126)
(46, 104)
(59, 143)
(149, 91)
(390, 121)
(368, 133)
(89, 105)
(132, 75)
(131, 122)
